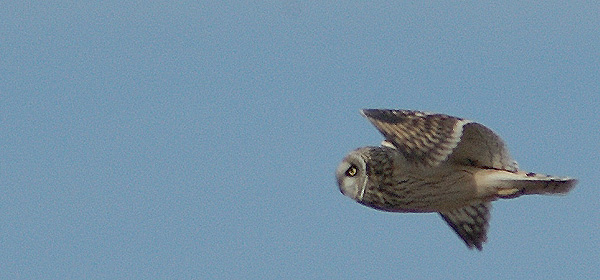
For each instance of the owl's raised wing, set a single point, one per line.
(424, 138)
(430, 139)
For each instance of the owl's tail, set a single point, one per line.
(511, 185)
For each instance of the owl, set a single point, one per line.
(439, 163)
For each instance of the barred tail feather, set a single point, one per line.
(545, 185)
(510, 185)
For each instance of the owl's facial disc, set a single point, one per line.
(351, 176)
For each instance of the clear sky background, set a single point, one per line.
(199, 140)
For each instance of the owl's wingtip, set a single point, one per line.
(368, 112)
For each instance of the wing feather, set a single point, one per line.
(430, 139)
(480, 146)
(425, 138)
(470, 223)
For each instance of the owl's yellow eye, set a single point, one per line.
(351, 171)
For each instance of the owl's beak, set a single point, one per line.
(361, 193)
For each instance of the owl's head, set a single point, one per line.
(352, 175)
(364, 170)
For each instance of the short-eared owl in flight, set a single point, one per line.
(439, 163)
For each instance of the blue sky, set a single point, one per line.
(199, 140)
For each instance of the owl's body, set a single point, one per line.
(396, 185)
(439, 163)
